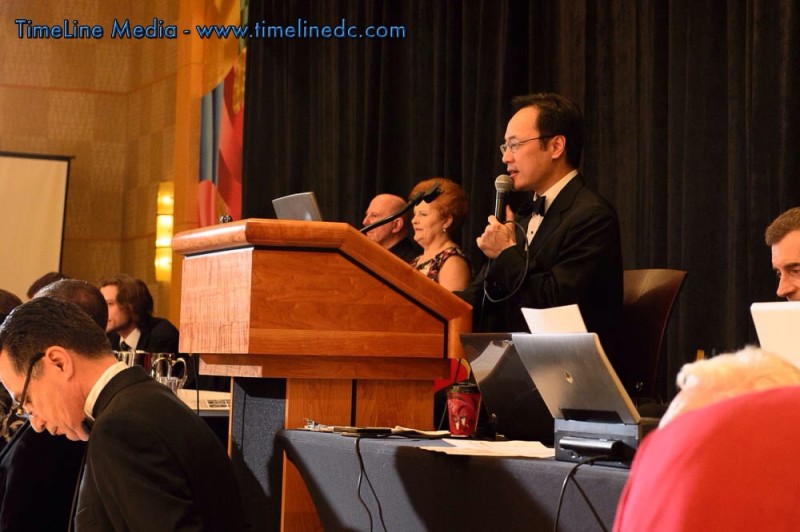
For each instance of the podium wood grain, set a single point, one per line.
(358, 334)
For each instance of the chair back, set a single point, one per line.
(648, 298)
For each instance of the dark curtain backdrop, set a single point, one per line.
(691, 124)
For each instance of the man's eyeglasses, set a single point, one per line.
(18, 407)
(514, 144)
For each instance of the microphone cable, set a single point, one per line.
(362, 475)
(521, 278)
(569, 476)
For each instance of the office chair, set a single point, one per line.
(648, 298)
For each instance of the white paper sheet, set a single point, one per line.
(524, 449)
(554, 320)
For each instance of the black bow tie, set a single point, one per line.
(532, 207)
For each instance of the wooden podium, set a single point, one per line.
(350, 334)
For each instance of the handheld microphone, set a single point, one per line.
(503, 184)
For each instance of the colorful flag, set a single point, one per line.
(222, 116)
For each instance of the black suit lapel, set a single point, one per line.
(555, 213)
(114, 339)
(144, 339)
(145, 328)
(521, 231)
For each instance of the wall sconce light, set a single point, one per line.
(164, 223)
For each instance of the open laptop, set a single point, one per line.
(301, 206)
(575, 378)
(594, 416)
(776, 325)
(507, 392)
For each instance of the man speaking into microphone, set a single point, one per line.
(564, 247)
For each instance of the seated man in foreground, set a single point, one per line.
(718, 461)
(151, 463)
(35, 465)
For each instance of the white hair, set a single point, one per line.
(709, 381)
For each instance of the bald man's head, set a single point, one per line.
(393, 232)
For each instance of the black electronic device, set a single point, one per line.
(507, 391)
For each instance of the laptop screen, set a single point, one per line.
(776, 324)
(575, 378)
(302, 206)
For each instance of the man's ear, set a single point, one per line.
(559, 144)
(397, 225)
(60, 359)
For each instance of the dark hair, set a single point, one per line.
(43, 322)
(558, 115)
(8, 302)
(44, 280)
(133, 297)
(782, 225)
(451, 202)
(83, 294)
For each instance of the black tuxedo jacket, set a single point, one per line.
(157, 336)
(575, 257)
(38, 476)
(153, 464)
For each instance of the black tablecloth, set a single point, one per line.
(406, 488)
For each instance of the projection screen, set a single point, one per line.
(33, 193)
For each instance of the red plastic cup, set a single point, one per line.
(463, 405)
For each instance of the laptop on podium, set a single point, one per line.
(301, 206)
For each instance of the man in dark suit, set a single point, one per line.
(131, 324)
(132, 327)
(565, 246)
(37, 465)
(151, 463)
